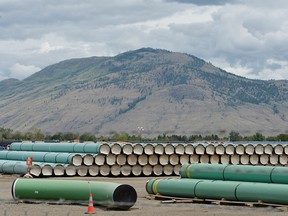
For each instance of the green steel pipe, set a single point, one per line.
(22, 155)
(266, 192)
(172, 187)
(248, 173)
(265, 174)
(15, 167)
(21, 146)
(122, 196)
(57, 147)
(203, 171)
(216, 189)
(3, 155)
(53, 147)
(279, 175)
(49, 157)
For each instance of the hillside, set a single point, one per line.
(162, 91)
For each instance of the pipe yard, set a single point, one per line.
(160, 178)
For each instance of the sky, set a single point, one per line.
(245, 37)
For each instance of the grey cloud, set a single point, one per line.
(203, 2)
(274, 66)
(245, 33)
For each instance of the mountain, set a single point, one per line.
(159, 90)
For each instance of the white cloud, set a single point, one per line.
(46, 47)
(22, 71)
(241, 36)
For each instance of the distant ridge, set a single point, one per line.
(160, 90)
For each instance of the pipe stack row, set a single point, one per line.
(242, 154)
(128, 159)
(228, 182)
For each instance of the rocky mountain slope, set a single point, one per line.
(161, 91)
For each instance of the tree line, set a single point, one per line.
(36, 134)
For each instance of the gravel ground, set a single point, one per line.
(143, 206)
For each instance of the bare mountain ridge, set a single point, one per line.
(162, 91)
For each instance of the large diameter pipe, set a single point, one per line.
(225, 159)
(204, 158)
(93, 170)
(122, 196)
(132, 159)
(82, 170)
(203, 171)
(220, 149)
(71, 170)
(189, 149)
(18, 167)
(199, 149)
(136, 170)
(159, 149)
(283, 160)
(121, 159)
(59, 170)
(259, 149)
(21, 146)
(268, 193)
(176, 169)
(138, 149)
(116, 148)
(105, 148)
(254, 159)
(148, 149)
(88, 159)
(210, 149)
(115, 170)
(179, 149)
(214, 159)
(229, 149)
(126, 170)
(175, 187)
(184, 159)
(127, 149)
(100, 159)
(169, 149)
(104, 170)
(265, 174)
(264, 159)
(268, 149)
(168, 170)
(278, 149)
(57, 147)
(240, 149)
(157, 170)
(215, 189)
(249, 149)
(235, 159)
(194, 159)
(164, 159)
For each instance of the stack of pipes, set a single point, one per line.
(133, 159)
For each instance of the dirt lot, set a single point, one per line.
(143, 206)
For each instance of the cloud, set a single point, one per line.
(241, 36)
(22, 71)
(202, 2)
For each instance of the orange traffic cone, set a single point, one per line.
(90, 206)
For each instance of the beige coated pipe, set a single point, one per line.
(189, 149)
(194, 159)
(235, 159)
(164, 159)
(225, 159)
(93, 170)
